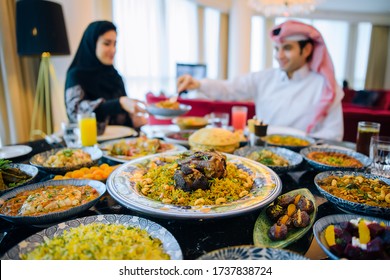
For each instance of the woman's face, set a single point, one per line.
(106, 47)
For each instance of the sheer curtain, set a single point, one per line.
(376, 68)
(153, 35)
(17, 83)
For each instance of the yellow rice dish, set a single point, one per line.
(100, 241)
(158, 184)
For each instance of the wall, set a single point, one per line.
(77, 15)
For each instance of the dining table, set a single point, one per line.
(196, 237)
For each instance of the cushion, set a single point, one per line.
(365, 98)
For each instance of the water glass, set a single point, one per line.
(71, 134)
(88, 128)
(365, 131)
(239, 116)
(218, 119)
(380, 155)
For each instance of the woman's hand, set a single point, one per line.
(187, 82)
(136, 110)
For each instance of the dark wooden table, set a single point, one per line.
(195, 237)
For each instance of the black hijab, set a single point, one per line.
(96, 79)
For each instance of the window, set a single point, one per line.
(211, 41)
(153, 36)
(257, 62)
(361, 59)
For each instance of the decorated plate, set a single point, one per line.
(38, 160)
(294, 159)
(52, 217)
(320, 226)
(263, 224)
(122, 187)
(352, 206)
(247, 252)
(292, 142)
(170, 245)
(165, 113)
(335, 159)
(179, 137)
(29, 170)
(137, 147)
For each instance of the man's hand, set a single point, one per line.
(187, 82)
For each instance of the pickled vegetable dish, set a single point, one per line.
(11, 177)
(358, 239)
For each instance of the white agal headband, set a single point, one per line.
(296, 37)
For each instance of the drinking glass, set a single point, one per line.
(88, 128)
(365, 131)
(239, 116)
(71, 134)
(380, 155)
(218, 119)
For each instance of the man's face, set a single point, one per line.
(290, 56)
(106, 47)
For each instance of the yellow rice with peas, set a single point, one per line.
(158, 184)
(98, 241)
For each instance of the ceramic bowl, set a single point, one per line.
(294, 159)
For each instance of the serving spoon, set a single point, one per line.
(174, 98)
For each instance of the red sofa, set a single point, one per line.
(357, 106)
(367, 105)
(201, 107)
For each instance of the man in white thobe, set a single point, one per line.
(301, 94)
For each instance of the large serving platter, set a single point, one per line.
(349, 206)
(53, 217)
(39, 159)
(122, 187)
(320, 226)
(294, 159)
(248, 252)
(366, 161)
(106, 147)
(170, 245)
(263, 224)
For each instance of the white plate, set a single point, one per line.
(116, 131)
(7, 152)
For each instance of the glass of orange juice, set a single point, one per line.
(88, 128)
(239, 116)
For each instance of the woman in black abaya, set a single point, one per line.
(94, 85)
